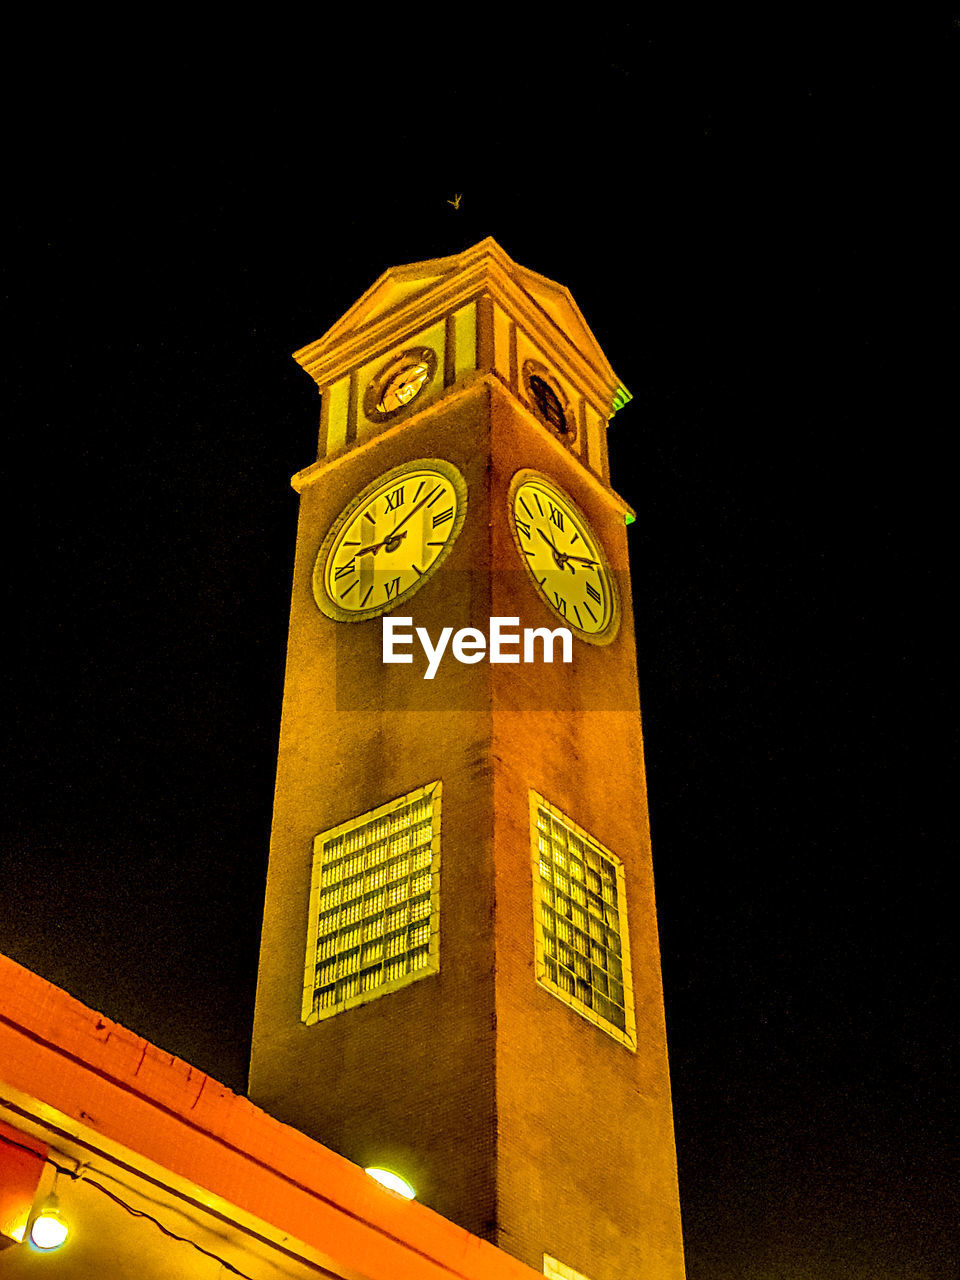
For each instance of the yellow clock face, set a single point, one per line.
(564, 557)
(403, 386)
(389, 540)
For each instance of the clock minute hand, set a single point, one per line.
(393, 539)
(559, 556)
(412, 512)
(393, 536)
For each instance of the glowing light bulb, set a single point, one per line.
(387, 1178)
(49, 1230)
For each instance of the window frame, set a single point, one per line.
(628, 1035)
(309, 1013)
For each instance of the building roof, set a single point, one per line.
(171, 1163)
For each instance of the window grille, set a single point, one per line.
(374, 904)
(580, 922)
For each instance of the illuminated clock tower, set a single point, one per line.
(459, 974)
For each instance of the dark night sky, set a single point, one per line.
(755, 223)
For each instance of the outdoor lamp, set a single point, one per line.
(49, 1230)
(387, 1178)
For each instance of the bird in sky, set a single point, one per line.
(456, 200)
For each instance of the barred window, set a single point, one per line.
(374, 904)
(580, 922)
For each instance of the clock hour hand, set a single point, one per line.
(391, 543)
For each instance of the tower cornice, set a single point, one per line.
(324, 467)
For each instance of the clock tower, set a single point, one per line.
(459, 974)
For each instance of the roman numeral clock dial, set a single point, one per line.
(389, 540)
(564, 557)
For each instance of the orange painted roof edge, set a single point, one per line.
(102, 1076)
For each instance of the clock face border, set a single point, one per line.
(612, 629)
(329, 607)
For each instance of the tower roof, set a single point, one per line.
(420, 289)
